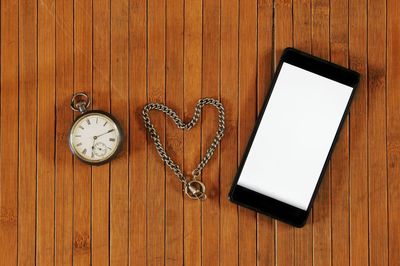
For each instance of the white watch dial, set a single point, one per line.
(94, 137)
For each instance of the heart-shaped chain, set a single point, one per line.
(194, 188)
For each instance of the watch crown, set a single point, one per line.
(80, 102)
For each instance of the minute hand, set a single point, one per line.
(111, 130)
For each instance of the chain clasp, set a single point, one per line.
(195, 189)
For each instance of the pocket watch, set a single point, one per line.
(95, 136)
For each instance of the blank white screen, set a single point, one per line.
(295, 136)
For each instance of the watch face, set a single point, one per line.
(95, 137)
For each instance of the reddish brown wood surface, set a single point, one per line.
(125, 53)
(9, 128)
(101, 94)
(64, 161)
(45, 178)
(27, 121)
(83, 78)
(174, 98)
(322, 210)
(192, 82)
(247, 108)
(358, 136)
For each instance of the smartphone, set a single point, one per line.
(294, 136)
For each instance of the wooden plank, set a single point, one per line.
(302, 40)
(302, 25)
(322, 205)
(247, 117)
(156, 168)
(64, 162)
(358, 136)
(393, 129)
(27, 132)
(192, 140)
(137, 144)
(210, 88)
(283, 38)
(9, 132)
(119, 105)
(265, 39)
(45, 130)
(101, 101)
(377, 166)
(340, 168)
(174, 136)
(82, 172)
(229, 145)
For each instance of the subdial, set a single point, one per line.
(100, 149)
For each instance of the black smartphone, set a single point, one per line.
(294, 136)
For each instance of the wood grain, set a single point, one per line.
(9, 106)
(64, 161)
(155, 168)
(100, 200)
(229, 144)
(27, 161)
(119, 192)
(340, 166)
(358, 136)
(137, 149)
(56, 210)
(83, 44)
(210, 88)
(45, 133)
(377, 159)
(247, 116)
(174, 137)
(192, 75)
(393, 129)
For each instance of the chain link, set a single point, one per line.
(185, 126)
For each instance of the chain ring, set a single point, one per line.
(195, 189)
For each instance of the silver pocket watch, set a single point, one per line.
(95, 136)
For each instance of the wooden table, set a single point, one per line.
(125, 53)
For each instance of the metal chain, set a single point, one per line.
(195, 189)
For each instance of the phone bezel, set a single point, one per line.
(267, 205)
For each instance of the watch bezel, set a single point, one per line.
(119, 144)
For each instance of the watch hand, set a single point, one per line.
(106, 147)
(100, 149)
(95, 137)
